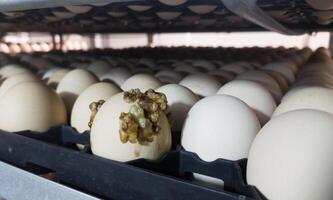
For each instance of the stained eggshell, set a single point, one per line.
(105, 140)
(142, 82)
(201, 84)
(31, 106)
(254, 95)
(81, 113)
(290, 157)
(71, 86)
(180, 100)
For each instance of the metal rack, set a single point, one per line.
(290, 17)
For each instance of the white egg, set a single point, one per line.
(281, 68)
(291, 157)
(117, 75)
(254, 95)
(56, 77)
(317, 98)
(117, 14)
(169, 76)
(168, 15)
(142, 82)
(105, 138)
(234, 67)
(279, 78)
(172, 2)
(31, 106)
(201, 84)
(321, 4)
(78, 9)
(225, 76)
(186, 68)
(14, 71)
(99, 68)
(202, 9)
(139, 8)
(180, 101)
(72, 84)
(220, 126)
(264, 79)
(204, 64)
(81, 112)
(14, 80)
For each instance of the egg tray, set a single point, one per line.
(171, 177)
(293, 14)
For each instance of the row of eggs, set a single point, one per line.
(217, 126)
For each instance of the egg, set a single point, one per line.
(224, 76)
(321, 4)
(173, 2)
(78, 9)
(139, 8)
(14, 80)
(168, 15)
(264, 79)
(117, 75)
(12, 71)
(234, 67)
(180, 101)
(201, 84)
(317, 98)
(291, 157)
(72, 84)
(282, 69)
(202, 9)
(169, 76)
(56, 77)
(142, 82)
(212, 128)
(109, 139)
(81, 112)
(254, 95)
(279, 78)
(31, 106)
(99, 68)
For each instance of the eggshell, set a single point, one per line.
(78, 9)
(14, 80)
(105, 141)
(142, 82)
(321, 4)
(169, 76)
(173, 2)
(264, 79)
(56, 77)
(168, 15)
(317, 98)
(280, 79)
(180, 100)
(282, 69)
(14, 71)
(117, 75)
(201, 84)
(220, 126)
(254, 95)
(226, 76)
(204, 64)
(31, 106)
(290, 157)
(81, 112)
(139, 8)
(99, 68)
(234, 67)
(71, 86)
(202, 9)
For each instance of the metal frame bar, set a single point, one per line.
(17, 5)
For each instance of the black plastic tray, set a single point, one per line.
(167, 178)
